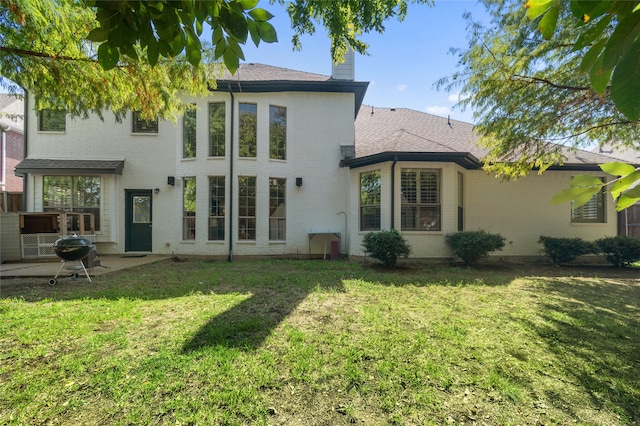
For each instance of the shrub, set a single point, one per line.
(565, 250)
(620, 251)
(471, 246)
(386, 246)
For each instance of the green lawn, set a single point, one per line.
(322, 343)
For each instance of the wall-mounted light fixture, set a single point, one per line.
(171, 180)
(298, 182)
(156, 191)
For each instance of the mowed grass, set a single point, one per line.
(322, 343)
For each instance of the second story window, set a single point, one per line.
(217, 129)
(52, 120)
(277, 132)
(248, 133)
(189, 132)
(140, 125)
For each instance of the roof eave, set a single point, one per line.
(358, 88)
(463, 159)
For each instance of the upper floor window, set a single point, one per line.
(277, 209)
(141, 125)
(592, 212)
(217, 129)
(420, 206)
(52, 120)
(248, 130)
(189, 132)
(77, 194)
(277, 132)
(370, 201)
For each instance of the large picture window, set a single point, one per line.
(189, 132)
(248, 130)
(217, 129)
(420, 209)
(51, 120)
(189, 209)
(277, 132)
(216, 208)
(370, 201)
(78, 194)
(277, 209)
(246, 208)
(592, 212)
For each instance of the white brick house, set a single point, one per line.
(281, 162)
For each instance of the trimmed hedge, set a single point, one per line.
(620, 251)
(565, 250)
(471, 246)
(386, 246)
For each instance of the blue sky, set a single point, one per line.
(403, 63)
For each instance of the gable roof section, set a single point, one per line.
(259, 78)
(388, 134)
(69, 167)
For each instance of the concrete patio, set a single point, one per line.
(49, 268)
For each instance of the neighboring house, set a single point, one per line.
(281, 162)
(12, 147)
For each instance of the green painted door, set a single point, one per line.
(138, 211)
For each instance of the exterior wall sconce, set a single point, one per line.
(171, 180)
(298, 182)
(156, 191)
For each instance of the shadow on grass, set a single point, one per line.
(595, 328)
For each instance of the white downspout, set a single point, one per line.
(3, 182)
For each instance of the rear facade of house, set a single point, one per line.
(278, 162)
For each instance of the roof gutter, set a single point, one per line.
(230, 197)
(393, 192)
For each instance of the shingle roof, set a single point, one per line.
(261, 72)
(402, 130)
(259, 78)
(63, 166)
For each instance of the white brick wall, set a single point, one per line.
(317, 125)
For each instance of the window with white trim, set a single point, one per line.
(78, 194)
(246, 208)
(277, 209)
(420, 206)
(140, 125)
(248, 132)
(52, 120)
(277, 132)
(216, 208)
(370, 183)
(592, 212)
(189, 208)
(189, 132)
(217, 129)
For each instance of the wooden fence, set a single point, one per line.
(629, 221)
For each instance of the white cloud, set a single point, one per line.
(438, 110)
(457, 97)
(402, 87)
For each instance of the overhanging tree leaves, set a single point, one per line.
(532, 102)
(88, 56)
(610, 38)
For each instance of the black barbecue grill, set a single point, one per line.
(71, 248)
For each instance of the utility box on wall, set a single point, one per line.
(9, 237)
